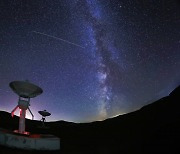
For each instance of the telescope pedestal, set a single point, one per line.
(22, 121)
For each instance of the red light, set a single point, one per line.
(35, 136)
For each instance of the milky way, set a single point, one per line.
(104, 53)
(94, 59)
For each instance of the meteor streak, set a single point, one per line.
(57, 38)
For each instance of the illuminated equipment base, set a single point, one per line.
(29, 142)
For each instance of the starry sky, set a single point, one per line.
(94, 59)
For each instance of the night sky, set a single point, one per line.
(94, 59)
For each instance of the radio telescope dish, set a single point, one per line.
(44, 113)
(25, 89)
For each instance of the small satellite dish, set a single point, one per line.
(44, 113)
(25, 89)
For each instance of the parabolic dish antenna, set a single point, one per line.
(25, 89)
(44, 113)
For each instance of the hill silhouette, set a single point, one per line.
(155, 128)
